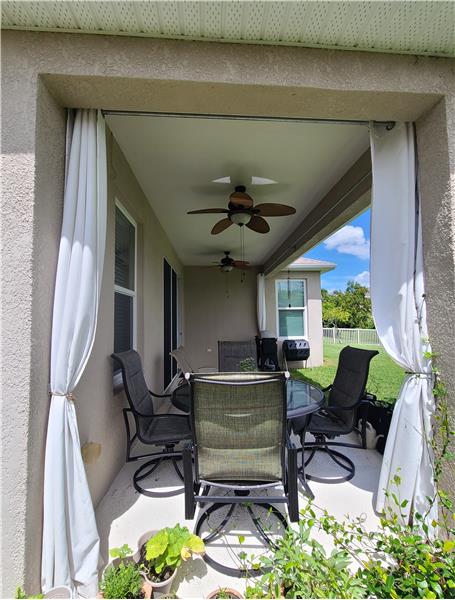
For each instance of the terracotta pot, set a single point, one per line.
(232, 593)
(163, 587)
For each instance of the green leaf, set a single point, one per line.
(121, 552)
(157, 544)
(448, 546)
(241, 539)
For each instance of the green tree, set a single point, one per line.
(351, 308)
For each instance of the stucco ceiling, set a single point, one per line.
(397, 26)
(176, 160)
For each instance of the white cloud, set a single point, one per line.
(363, 278)
(349, 239)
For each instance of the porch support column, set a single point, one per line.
(33, 149)
(436, 156)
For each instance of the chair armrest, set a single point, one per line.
(170, 416)
(159, 395)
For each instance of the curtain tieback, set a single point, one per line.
(419, 374)
(69, 396)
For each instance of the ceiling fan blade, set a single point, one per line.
(274, 210)
(241, 199)
(207, 211)
(258, 224)
(241, 264)
(221, 226)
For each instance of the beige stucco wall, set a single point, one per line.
(99, 410)
(314, 312)
(119, 72)
(217, 306)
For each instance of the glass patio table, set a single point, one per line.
(302, 398)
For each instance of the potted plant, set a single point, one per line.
(161, 553)
(122, 578)
(224, 592)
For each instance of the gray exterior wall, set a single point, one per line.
(42, 73)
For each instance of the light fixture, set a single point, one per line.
(227, 268)
(240, 218)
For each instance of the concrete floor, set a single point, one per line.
(124, 515)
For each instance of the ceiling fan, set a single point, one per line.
(227, 263)
(241, 211)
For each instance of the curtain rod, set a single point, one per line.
(387, 124)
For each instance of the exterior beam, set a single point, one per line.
(348, 197)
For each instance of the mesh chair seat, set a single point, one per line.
(240, 441)
(326, 423)
(154, 430)
(239, 428)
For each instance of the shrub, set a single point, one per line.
(396, 561)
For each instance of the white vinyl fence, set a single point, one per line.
(340, 335)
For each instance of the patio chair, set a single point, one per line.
(165, 430)
(339, 416)
(231, 354)
(240, 443)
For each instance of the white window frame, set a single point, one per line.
(125, 291)
(303, 308)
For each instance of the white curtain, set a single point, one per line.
(262, 322)
(398, 299)
(70, 537)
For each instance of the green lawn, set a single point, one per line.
(384, 379)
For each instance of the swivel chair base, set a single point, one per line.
(205, 516)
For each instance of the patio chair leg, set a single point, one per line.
(176, 468)
(322, 445)
(301, 470)
(190, 505)
(293, 498)
(150, 467)
(205, 492)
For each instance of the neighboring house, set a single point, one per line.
(302, 319)
(296, 115)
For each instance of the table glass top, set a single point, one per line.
(303, 397)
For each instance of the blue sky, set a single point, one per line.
(349, 249)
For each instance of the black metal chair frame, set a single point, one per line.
(156, 458)
(193, 485)
(322, 444)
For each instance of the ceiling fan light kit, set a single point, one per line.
(240, 218)
(241, 211)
